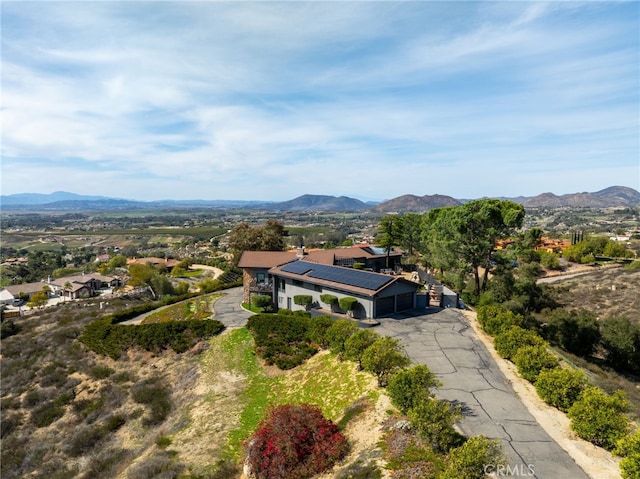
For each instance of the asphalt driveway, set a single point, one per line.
(446, 343)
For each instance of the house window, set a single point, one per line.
(281, 285)
(260, 277)
(297, 282)
(318, 288)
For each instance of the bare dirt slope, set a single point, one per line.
(606, 291)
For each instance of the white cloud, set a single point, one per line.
(265, 100)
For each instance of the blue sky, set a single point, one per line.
(271, 100)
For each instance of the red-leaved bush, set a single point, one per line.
(294, 442)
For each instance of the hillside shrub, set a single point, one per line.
(599, 417)
(357, 344)
(494, 319)
(317, 330)
(281, 339)
(629, 448)
(156, 396)
(433, 419)
(531, 360)
(470, 460)
(560, 387)
(383, 358)
(294, 441)
(408, 387)
(338, 333)
(103, 337)
(47, 413)
(508, 343)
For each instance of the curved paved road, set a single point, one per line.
(444, 341)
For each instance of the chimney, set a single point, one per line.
(300, 252)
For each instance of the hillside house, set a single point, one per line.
(255, 265)
(16, 293)
(83, 286)
(378, 294)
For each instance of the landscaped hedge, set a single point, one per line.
(327, 298)
(303, 299)
(348, 303)
(282, 339)
(104, 337)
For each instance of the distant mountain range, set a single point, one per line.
(614, 196)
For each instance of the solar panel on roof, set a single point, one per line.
(351, 277)
(297, 267)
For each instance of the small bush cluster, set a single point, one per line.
(509, 342)
(629, 448)
(495, 320)
(560, 387)
(595, 415)
(599, 417)
(282, 339)
(294, 441)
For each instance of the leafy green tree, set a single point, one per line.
(38, 300)
(470, 232)
(410, 232)
(549, 260)
(577, 331)
(338, 333)
(383, 358)
(621, 341)
(615, 249)
(357, 344)
(181, 289)
(141, 274)
(433, 419)
(389, 233)
(599, 417)
(272, 236)
(531, 360)
(470, 460)
(560, 387)
(408, 387)
(269, 237)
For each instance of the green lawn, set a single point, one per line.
(323, 381)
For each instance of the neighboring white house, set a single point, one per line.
(6, 297)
